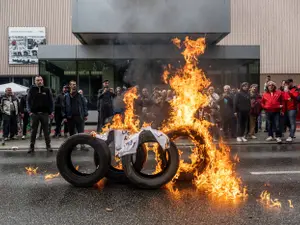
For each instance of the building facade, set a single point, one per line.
(272, 25)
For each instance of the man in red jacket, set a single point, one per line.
(290, 96)
(272, 102)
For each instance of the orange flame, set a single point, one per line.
(189, 84)
(31, 171)
(51, 176)
(130, 122)
(290, 204)
(265, 198)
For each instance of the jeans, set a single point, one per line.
(9, 125)
(25, 123)
(75, 123)
(243, 119)
(42, 118)
(273, 119)
(292, 114)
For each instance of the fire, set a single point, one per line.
(77, 168)
(130, 121)
(31, 171)
(265, 198)
(290, 204)
(118, 164)
(51, 176)
(189, 83)
(100, 184)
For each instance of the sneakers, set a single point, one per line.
(244, 139)
(269, 138)
(23, 137)
(238, 139)
(253, 137)
(289, 139)
(278, 140)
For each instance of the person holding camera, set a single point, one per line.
(104, 104)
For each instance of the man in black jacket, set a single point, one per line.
(40, 108)
(58, 113)
(104, 104)
(242, 107)
(24, 114)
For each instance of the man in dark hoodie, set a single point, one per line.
(241, 107)
(40, 108)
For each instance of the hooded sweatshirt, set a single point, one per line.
(271, 101)
(291, 98)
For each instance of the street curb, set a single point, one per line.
(179, 145)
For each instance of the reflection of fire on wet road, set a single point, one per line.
(31, 171)
(51, 176)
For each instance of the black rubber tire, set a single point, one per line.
(66, 168)
(157, 180)
(117, 175)
(188, 132)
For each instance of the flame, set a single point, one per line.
(100, 184)
(189, 84)
(51, 176)
(77, 168)
(265, 198)
(31, 171)
(118, 164)
(130, 122)
(290, 204)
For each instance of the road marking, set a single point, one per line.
(275, 172)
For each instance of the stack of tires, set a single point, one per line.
(132, 164)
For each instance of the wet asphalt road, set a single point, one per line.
(33, 200)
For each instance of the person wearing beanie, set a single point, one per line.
(241, 107)
(291, 94)
(273, 104)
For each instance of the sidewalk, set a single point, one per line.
(56, 142)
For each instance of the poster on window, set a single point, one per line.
(23, 43)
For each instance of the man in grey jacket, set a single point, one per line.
(10, 110)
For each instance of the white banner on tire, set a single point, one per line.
(126, 144)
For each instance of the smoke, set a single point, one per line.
(158, 20)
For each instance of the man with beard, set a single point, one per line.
(75, 110)
(40, 108)
(59, 114)
(104, 104)
(241, 107)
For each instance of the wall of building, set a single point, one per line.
(275, 26)
(55, 15)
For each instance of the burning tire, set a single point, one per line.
(116, 174)
(193, 135)
(169, 170)
(66, 168)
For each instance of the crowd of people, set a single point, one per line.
(234, 113)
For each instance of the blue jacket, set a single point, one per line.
(67, 109)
